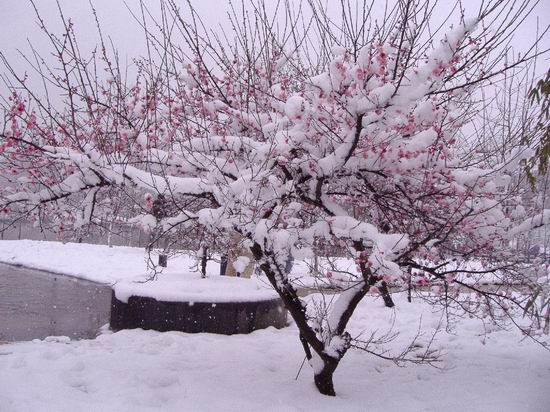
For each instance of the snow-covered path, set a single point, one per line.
(150, 371)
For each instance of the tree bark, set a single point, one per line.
(204, 261)
(310, 342)
(323, 379)
(384, 291)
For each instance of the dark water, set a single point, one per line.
(36, 304)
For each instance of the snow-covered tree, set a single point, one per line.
(290, 133)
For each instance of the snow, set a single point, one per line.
(150, 371)
(295, 106)
(123, 265)
(126, 269)
(422, 140)
(191, 288)
(481, 369)
(381, 95)
(531, 223)
(241, 263)
(162, 184)
(98, 263)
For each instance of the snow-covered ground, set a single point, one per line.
(98, 263)
(125, 268)
(121, 266)
(481, 368)
(138, 370)
(109, 265)
(112, 265)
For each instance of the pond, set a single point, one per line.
(36, 304)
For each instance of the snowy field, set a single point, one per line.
(150, 371)
(110, 265)
(98, 263)
(481, 368)
(103, 264)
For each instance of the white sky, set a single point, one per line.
(19, 24)
(19, 21)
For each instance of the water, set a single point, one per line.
(35, 304)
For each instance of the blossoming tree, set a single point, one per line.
(344, 134)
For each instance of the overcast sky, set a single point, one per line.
(19, 23)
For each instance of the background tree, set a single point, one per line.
(540, 95)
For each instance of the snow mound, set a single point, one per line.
(191, 288)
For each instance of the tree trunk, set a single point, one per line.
(323, 379)
(204, 261)
(110, 235)
(384, 291)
